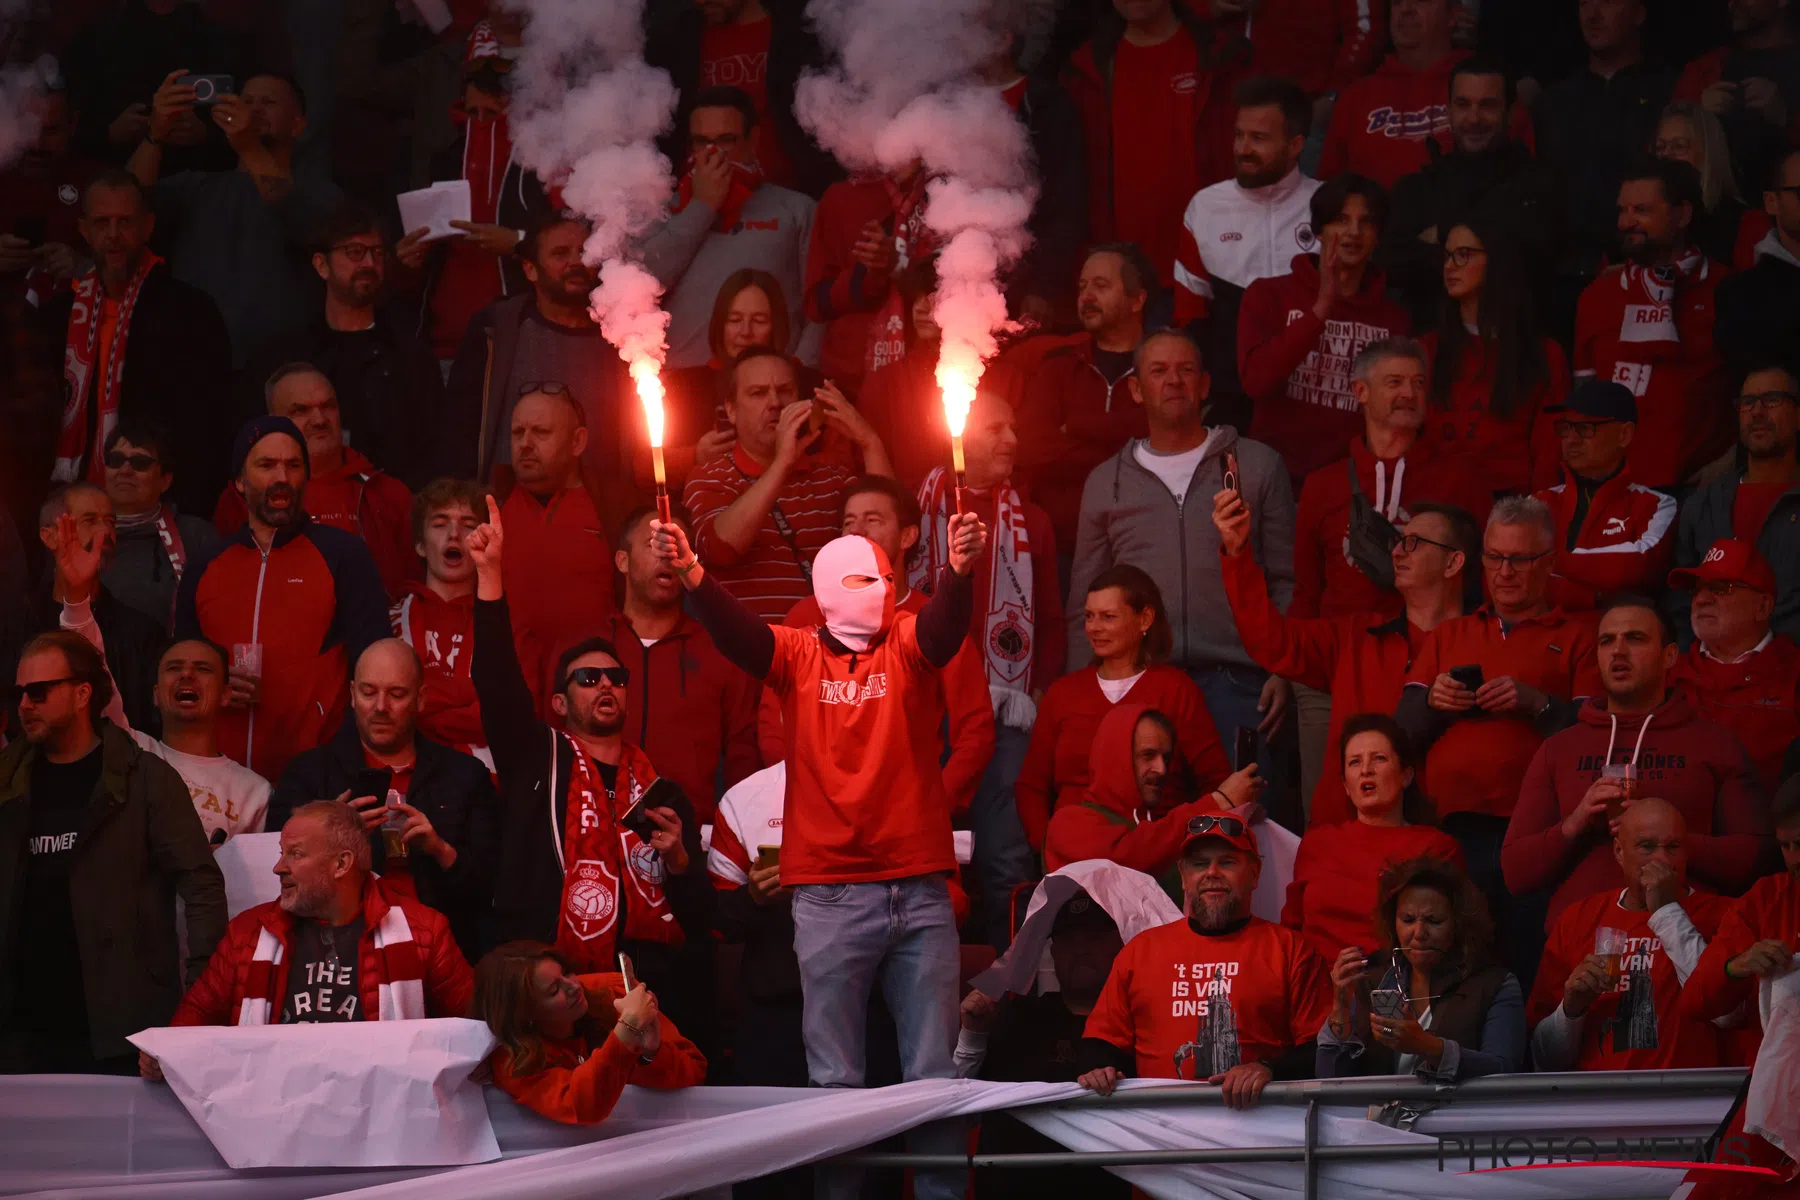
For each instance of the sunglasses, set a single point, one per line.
(37, 692)
(549, 387)
(138, 462)
(588, 677)
(1229, 826)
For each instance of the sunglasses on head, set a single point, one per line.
(1229, 826)
(139, 462)
(38, 691)
(588, 677)
(549, 387)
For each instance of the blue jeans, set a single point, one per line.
(902, 934)
(1003, 857)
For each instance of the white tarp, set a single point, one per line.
(248, 863)
(1131, 898)
(1772, 1108)
(342, 1094)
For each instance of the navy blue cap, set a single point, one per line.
(1599, 399)
(258, 428)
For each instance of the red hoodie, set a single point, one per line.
(843, 294)
(442, 633)
(1513, 455)
(1624, 542)
(1296, 368)
(1337, 871)
(1690, 762)
(1326, 582)
(358, 498)
(1757, 697)
(1380, 123)
(558, 576)
(1108, 819)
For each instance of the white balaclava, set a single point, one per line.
(857, 617)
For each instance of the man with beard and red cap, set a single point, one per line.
(1222, 996)
(866, 837)
(294, 601)
(344, 489)
(1135, 812)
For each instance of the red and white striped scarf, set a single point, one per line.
(1010, 628)
(1648, 318)
(75, 458)
(399, 973)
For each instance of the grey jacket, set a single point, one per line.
(140, 575)
(1129, 516)
(1706, 517)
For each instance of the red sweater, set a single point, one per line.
(1513, 455)
(579, 1083)
(1757, 698)
(442, 633)
(356, 498)
(1055, 771)
(1331, 900)
(1682, 758)
(1109, 820)
(1296, 368)
(1326, 582)
(1362, 663)
(559, 578)
(1323, 45)
(1381, 122)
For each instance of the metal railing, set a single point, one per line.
(1323, 1093)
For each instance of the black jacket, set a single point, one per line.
(177, 375)
(770, 970)
(1059, 220)
(673, 43)
(473, 428)
(389, 389)
(140, 846)
(452, 789)
(1758, 317)
(134, 645)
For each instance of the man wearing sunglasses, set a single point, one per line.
(155, 541)
(1612, 534)
(1757, 502)
(1737, 671)
(1221, 996)
(95, 836)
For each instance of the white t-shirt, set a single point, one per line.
(1175, 470)
(227, 796)
(1115, 689)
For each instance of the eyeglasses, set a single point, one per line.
(37, 692)
(1229, 826)
(725, 141)
(1767, 401)
(1581, 429)
(1716, 587)
(1412, 541)
(1463, 255)
(549, 387)
(138, 462)
(588, 677)
(358, 251)
(1512, 562)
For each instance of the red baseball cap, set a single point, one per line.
(1224, 827)
(1728, 561)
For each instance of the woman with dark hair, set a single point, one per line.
(570, 1043)
(1492, 372)
(1128, 627)
(1429, 1002)
(1333, 889)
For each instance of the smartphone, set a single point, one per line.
(625, 970)
(33, 229)
(208, 88)
(722, 420)
(1231, 471)
(767, 856)
(637, 817)
(1244, 752)
(1388, 1002)
(372, 781)
(1469, 676)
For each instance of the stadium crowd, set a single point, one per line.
(1399, 443)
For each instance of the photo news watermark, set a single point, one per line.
(1477, 1154)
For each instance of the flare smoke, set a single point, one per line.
(904, 87)
(20, 88)
(585, 114)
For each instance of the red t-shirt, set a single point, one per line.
(1331, 900)
(734, 55)
(1751, 507)
(1637, 1025)
(865, 793)
(1155, 170)
(1192, 1006)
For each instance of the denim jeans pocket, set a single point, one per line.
(822, 893)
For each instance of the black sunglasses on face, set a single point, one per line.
(139, 462)
(588, 677)
(37, 692)
(1229, 826)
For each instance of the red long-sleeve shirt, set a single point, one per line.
(1769, 910)
(1331, 899)
(1511, 455)
(1322, 45)
(1757, 697)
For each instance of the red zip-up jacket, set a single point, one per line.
(1381, 122)
(1624, 542)
(1757, 697)
(1070, 421)
(1322, 45)
(442, 633)
(689, 709)
(1514, 455)
(1682, 758)
(358, 498)
(1296, 368)
(314, 602)
(1361, 661)
(1108, 820)
(1326, 582)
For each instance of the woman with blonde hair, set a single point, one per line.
(1728, 229)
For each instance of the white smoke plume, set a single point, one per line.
(585, 114)
(20, 88)
(903, 87)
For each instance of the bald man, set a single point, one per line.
(1607, 994)
(431, 813)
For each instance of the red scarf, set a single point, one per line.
(745, 179)
(1649, 316)
(596, 852)
(80, 355)
(887, 332)
(169, 533)
(387, 956)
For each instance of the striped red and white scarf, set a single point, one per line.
(400, 974)
(75, 457)
(1649, 315)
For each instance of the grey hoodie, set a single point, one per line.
(1128, 515)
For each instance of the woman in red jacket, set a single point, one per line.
(1336, 869)
(1128, 627)
(570, 1043)
(1492, 373)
